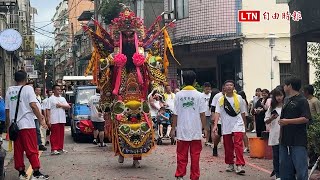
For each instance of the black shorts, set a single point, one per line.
(48, 132)
(219, 130)
(2, 126)
(98, 126)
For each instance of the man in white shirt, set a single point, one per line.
(57, 119)
(37, 91)
(206, 96)
(97, 118)
(189, 120)
(45, 105)
(169, 97)
(231, 109)
(27, 136)
(216, 136)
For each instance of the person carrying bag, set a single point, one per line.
(14, 129)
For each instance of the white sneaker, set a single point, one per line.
(253, 131)
(136, 164)
(121, 159)
(41, 176)
(240, 170)
(278, 178)
(246, 150)
(230, 168)
(23, 176)
(63, 151)
(55, 152)
(179, 178)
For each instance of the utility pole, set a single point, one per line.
(73, 51)
(44, 71)
(53, 57)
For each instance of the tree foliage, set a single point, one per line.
(314, 59)
(314, 134)
(110, 9)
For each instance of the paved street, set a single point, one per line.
(86, 161)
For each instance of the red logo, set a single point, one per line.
(248, 16)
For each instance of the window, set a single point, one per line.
(282, 1)
(182, 9)
(285, 71)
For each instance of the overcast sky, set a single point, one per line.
(46, 10)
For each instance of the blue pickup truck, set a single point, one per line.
(80, 122)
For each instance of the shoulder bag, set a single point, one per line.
(14, 129)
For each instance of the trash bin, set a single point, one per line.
(268, 149)
(2, 157)
(257, 147)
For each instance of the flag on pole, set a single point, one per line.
(169, 44)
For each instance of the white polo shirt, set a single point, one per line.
(215, 102)
(57, 115)
(231, 124)
(188, 104)
(25, 117)
(93, 102)
(206, 98)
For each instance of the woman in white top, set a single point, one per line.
(245, 137)
(272, 118)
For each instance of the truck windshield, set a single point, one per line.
(84, 95)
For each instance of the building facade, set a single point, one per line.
(16, 15)
(260, 70)
(207, 40)
(62, 40)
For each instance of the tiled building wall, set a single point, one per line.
(207, 19)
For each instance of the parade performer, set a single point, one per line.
(128, 61)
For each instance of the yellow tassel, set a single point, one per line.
(10, 146)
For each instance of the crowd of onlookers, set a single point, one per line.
(283, 114)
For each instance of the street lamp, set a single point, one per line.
(272, 39)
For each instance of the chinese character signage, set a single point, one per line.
(257, 16)
(28, 46)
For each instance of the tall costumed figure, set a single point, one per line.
(127, 63)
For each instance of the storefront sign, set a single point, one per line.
(10, 40)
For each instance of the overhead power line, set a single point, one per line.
(63, 15)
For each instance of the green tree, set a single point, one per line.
(110, 9)
(314, 58)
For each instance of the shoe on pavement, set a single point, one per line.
(230, 168)
(62, 151)
(253, 131)
(42, 148)
(23, 176)
(136, 164)
(278, 178)
(246, 150)
(240, 170)
(55, 152)
(102, 145)
(215, 152)
(39, 176)
(95, 142)
(120, 159)
(179, 178)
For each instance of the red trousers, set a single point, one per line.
(57, 136)
(26, 142)
(233, 144)
(183, 147)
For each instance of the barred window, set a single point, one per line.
(285, 71)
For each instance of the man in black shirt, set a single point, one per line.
(293, 135)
